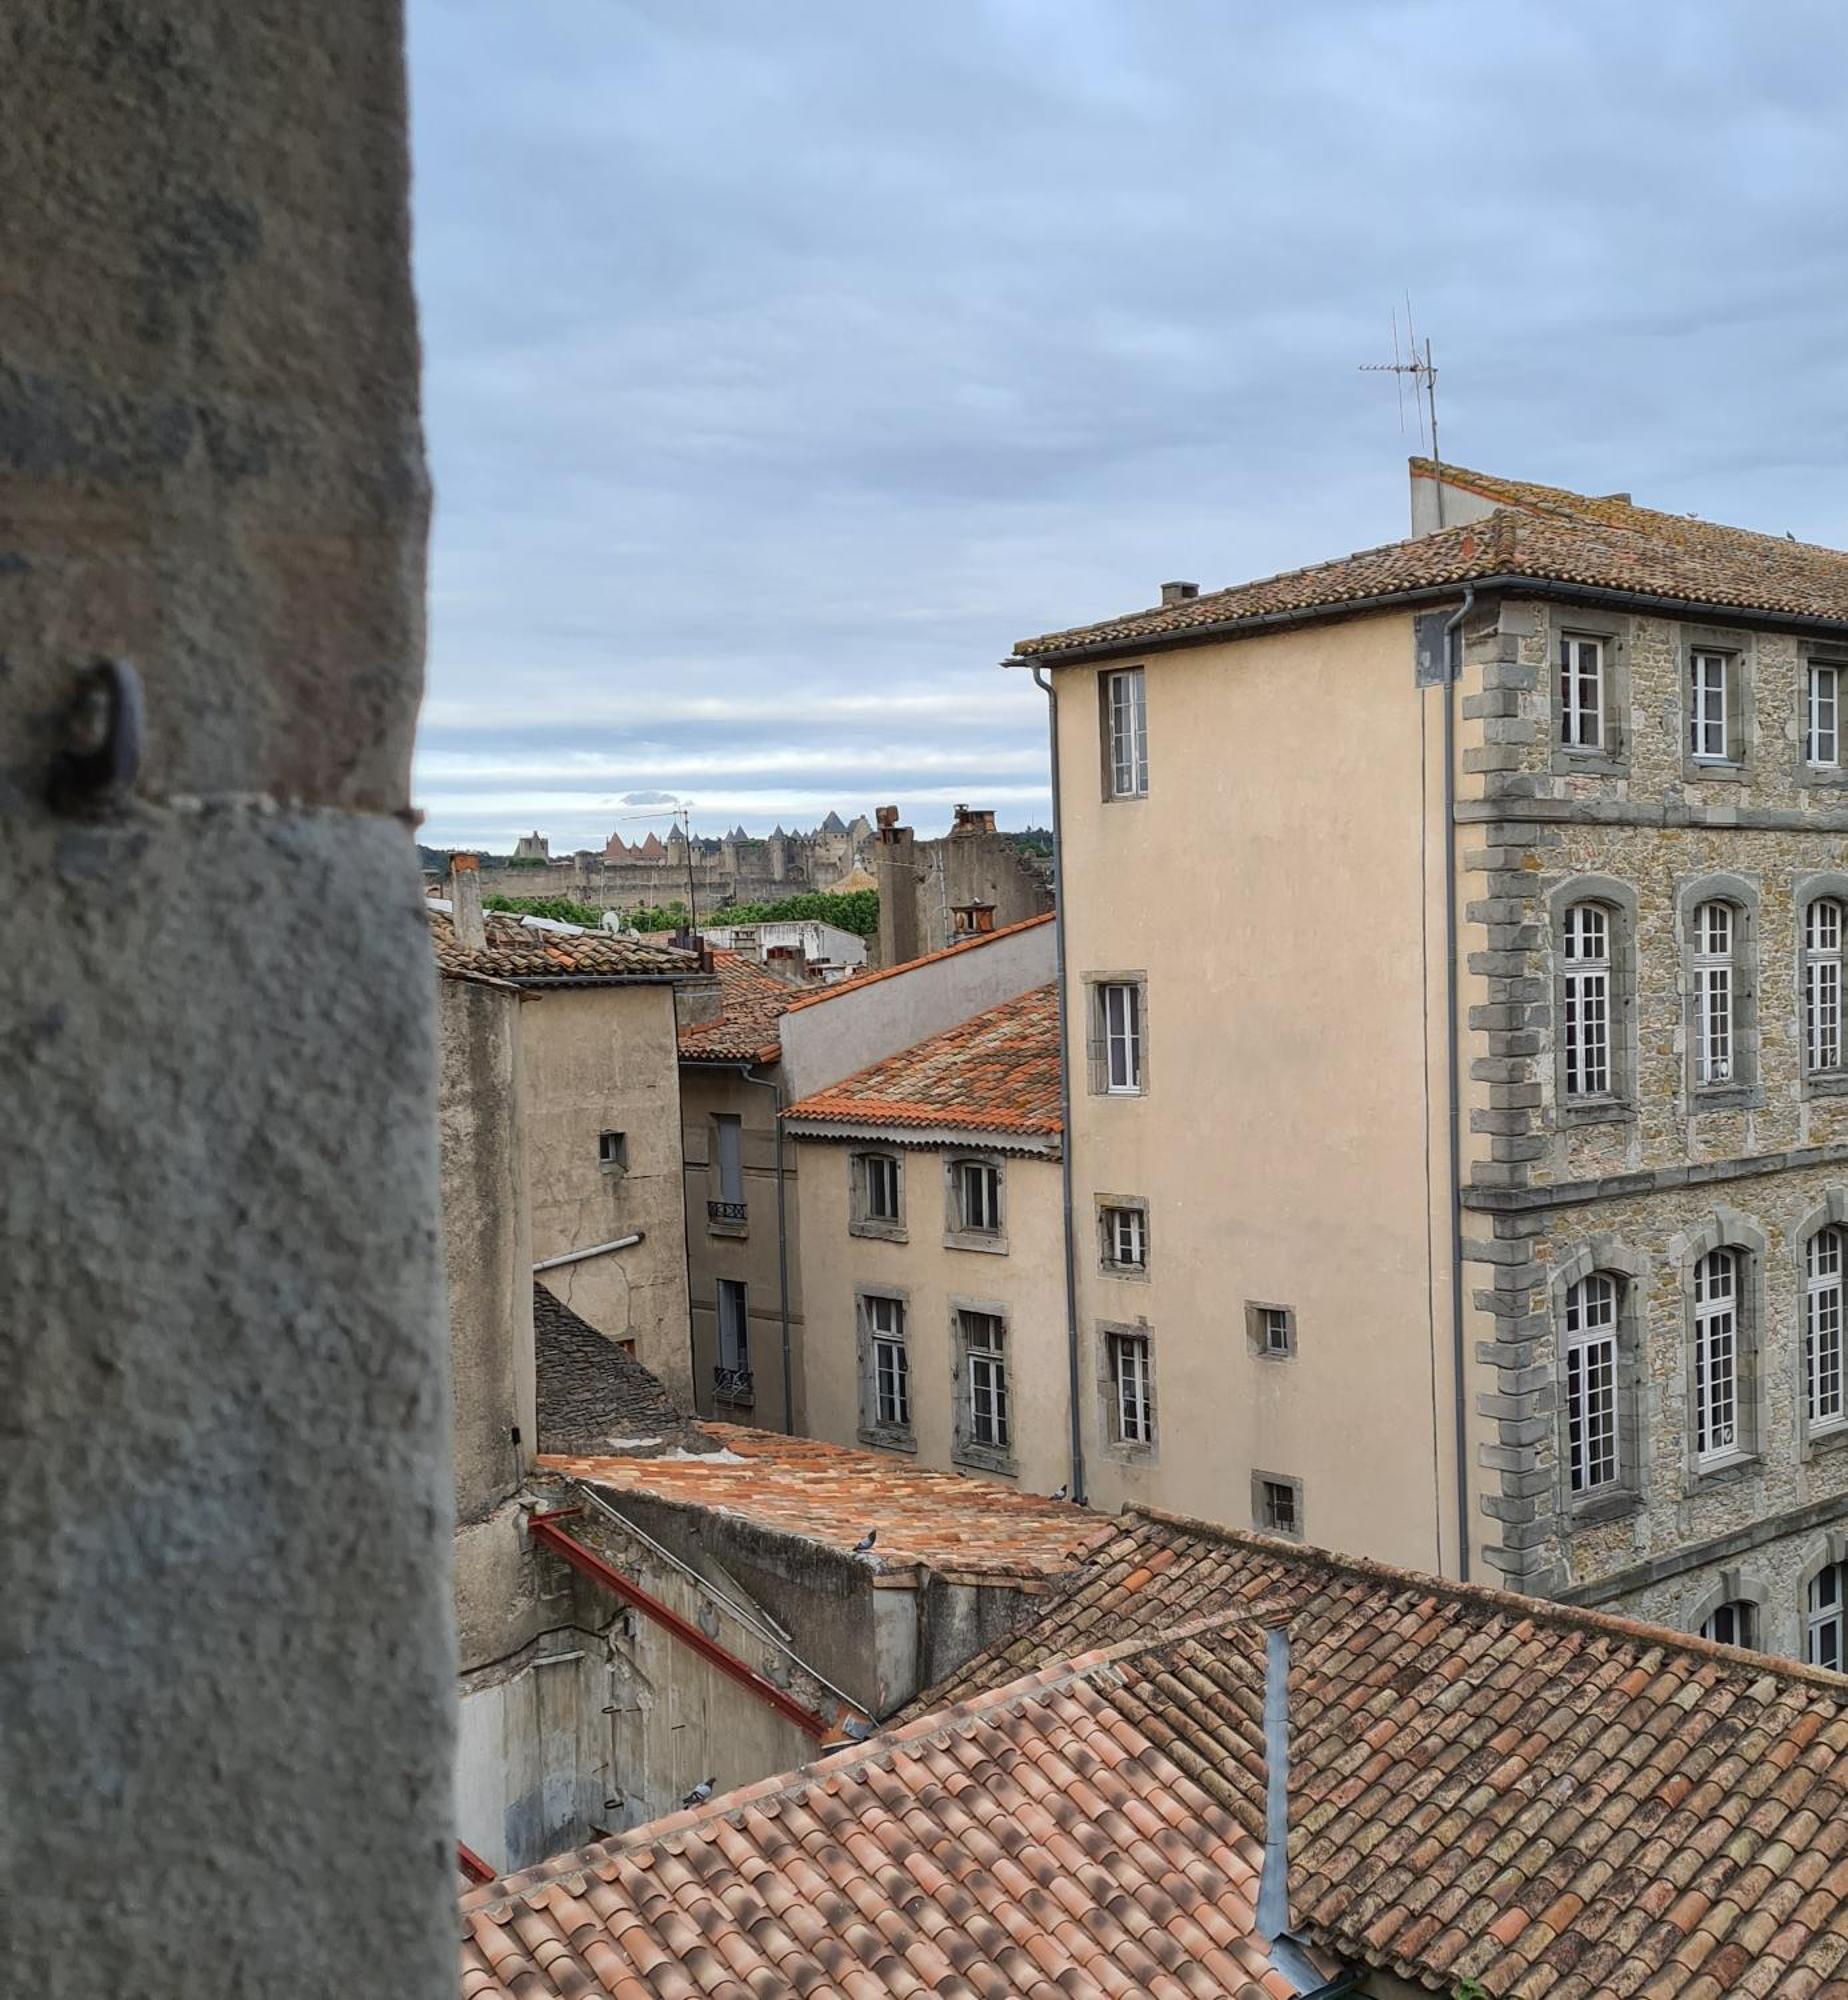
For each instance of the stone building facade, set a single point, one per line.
(1543, 871)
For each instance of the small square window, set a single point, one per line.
(613, 1151)
(1270, 1331)
(1278, 1504)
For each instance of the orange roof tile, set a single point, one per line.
(1033, 1843)
(751, 1002)
(526, 951)
(996, 1073)
(854, 984)
(1542, 533)
(831, 1494)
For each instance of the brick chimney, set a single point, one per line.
(465, 902)
(1178, 593)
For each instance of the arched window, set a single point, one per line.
(1822, 1328)
(1715, 992)
(1717, 1287)
(1733, 1623)
(1586, 1027)
(1593, 1460)
(1822, 1627)
(1822, 986)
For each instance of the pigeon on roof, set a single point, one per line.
(699, 1794)
(864, 1545)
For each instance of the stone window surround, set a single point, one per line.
(884, 1437)
(1255, 1309)
(1620, 899)
(1832, 1550)
(1745, 1091)
(1806, 888)
(1605, 1252)
(1259, 1480)
(1134, 1273)
(1097, 1075)
(1114, 1446)
(1736, 1586)
(991, 1242)
(1829, 1213)
(1741, 704)
(963, 1448)
(1805, 775)
(1727, 1229)
(1613, 760)
(859, 1222)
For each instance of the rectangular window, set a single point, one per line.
(1121, 1005)
(1822, 738)
(1822, 1329)
(732, 1376)
(1587, 1001)
(1126, 734)
(1279, 1508)
(978, 1197)
(983, 1355)
(1822, 986)
(1591, 1383)
(1270, 1330)
(1713, 993)
(1132, 1395)
(1707, 675)
(1581, 692)
(891, 1365)
(881, 1170)
(612, 1151)
(1716, 1355)
(1822, 1635)
(728, 1155)
(1731, 1624)
(1126, 1239)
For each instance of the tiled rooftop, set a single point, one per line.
(1034, 1844)
(831, 1494)
(859, 980)
(527, 950)
(751, 1002)
(1485, 1787)
(1539, 532)
(996, 1073)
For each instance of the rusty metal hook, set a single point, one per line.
(102, 748)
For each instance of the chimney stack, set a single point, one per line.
(1178, 593)
(471, 926)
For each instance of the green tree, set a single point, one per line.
(560, 909)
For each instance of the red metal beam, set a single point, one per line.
(592, 1565)
(473, 1866)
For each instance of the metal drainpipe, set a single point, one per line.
(1077, 1487)
(1453, 1039)
(775, 1088)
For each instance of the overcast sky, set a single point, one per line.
(786, 360)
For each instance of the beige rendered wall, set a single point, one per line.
(596, 1059)
(1026, 1285)
(1272, 892)
(745, 1251)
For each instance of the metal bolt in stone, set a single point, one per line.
(102, 747)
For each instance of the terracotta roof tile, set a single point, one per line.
(1539, 532)
(831, 1494)
(526, 951)
(996, 1073)
(751, 1002)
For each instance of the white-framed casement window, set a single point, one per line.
(1132, 1388)
(1708, 693)
(1822, 1623)
(1732, 1623)
(1716, 932)
(1270, 1331)
(1126, 733)
(1717, 1285)
(984, 1344)
(1586, 1027)
(977, 1186)
(1822, 717)
(1822, 986)
(1125, 1238)
(1822, 1329)
(1120, 1003)
(1594, 1462)
(1581, 691)
(881, 1186)
(890, 1363)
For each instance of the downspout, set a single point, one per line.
(1076, 1485)
(775, 1087)
(1453, 1046)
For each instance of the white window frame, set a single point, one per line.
(1594, 1444)
(1588, 983)
(1822, 1618)
(889, 1359)
(1823, 716)
(1126, 733)
(1734, 1623)
(982, 1216)
(985, 1379)
(1825, 1295)
(1126, 1237)
(881, 1170)
(1825, 919)
(1583, 669)
(1719, 1287)
(1716, 990)
(1120, 1010)
(1709, 675)
(1132, 1385)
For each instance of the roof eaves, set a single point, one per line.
(988, 1138)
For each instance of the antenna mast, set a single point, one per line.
(1421, 370)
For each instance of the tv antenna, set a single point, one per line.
(1421, 370)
